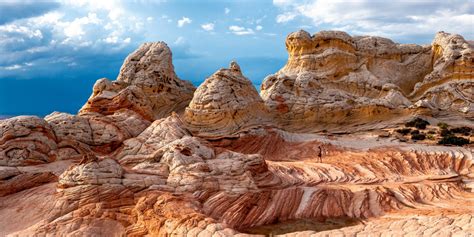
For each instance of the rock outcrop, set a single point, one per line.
(225, 104)
(147, 84)
(147, 157)
(26, 140)
(333, 78)
(449, 86)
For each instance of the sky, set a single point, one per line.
(52, 52)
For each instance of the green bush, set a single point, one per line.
(417, 123)
(443, 125)
(453, 140)
(403, 131)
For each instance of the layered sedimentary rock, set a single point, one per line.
(226, 192)
(135, 163)
(147, 84)
(94, 132)
(26, 140)
(224, 104)
(449, 86)
(333, 78)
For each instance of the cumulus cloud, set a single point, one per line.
(208, 26)
(285, 17)
(239, 30)
(258, 27)
(226, 10)
(387, 18)
(75, 28)
(67, 35)
(183, 21)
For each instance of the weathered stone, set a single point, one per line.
(147, 84)
(225, 104)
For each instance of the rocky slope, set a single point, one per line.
(148, 155)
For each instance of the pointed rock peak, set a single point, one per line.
(234, 67)
(151, 63)
(147, 84)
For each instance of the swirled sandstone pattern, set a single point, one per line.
(226, 103)
(147, 84)
(333, 78)
(144, 159)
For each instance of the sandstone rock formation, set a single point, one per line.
(144, 159)
(147, 84)
(449, 86)
(225, 104)
(333, 78)
(26, 140)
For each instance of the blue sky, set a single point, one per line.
(52, 52)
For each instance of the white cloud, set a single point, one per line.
(115, 13)
(236, 28)
(12, 67)
(184, 21)
(239, 30)
(385, 18)
(179, 41)
(285, 17)
(166, 18)
(149, 18)
(258, 27)
(111, 39)
(22, 30)
(208, 26)
(75, 28)
(226, 10)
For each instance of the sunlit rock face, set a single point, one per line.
(147, 157)
(147, 84)
(450, 85)
(225, 104)
(333, 78)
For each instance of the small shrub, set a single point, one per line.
(466, 131)
(403, 131)
(419, 136)
(430, 137)
(431, 132)
(415, 132)
(453, 140)
(417, 123)
(442, 125)
(445, 133)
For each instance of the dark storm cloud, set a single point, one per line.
(11, 10)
